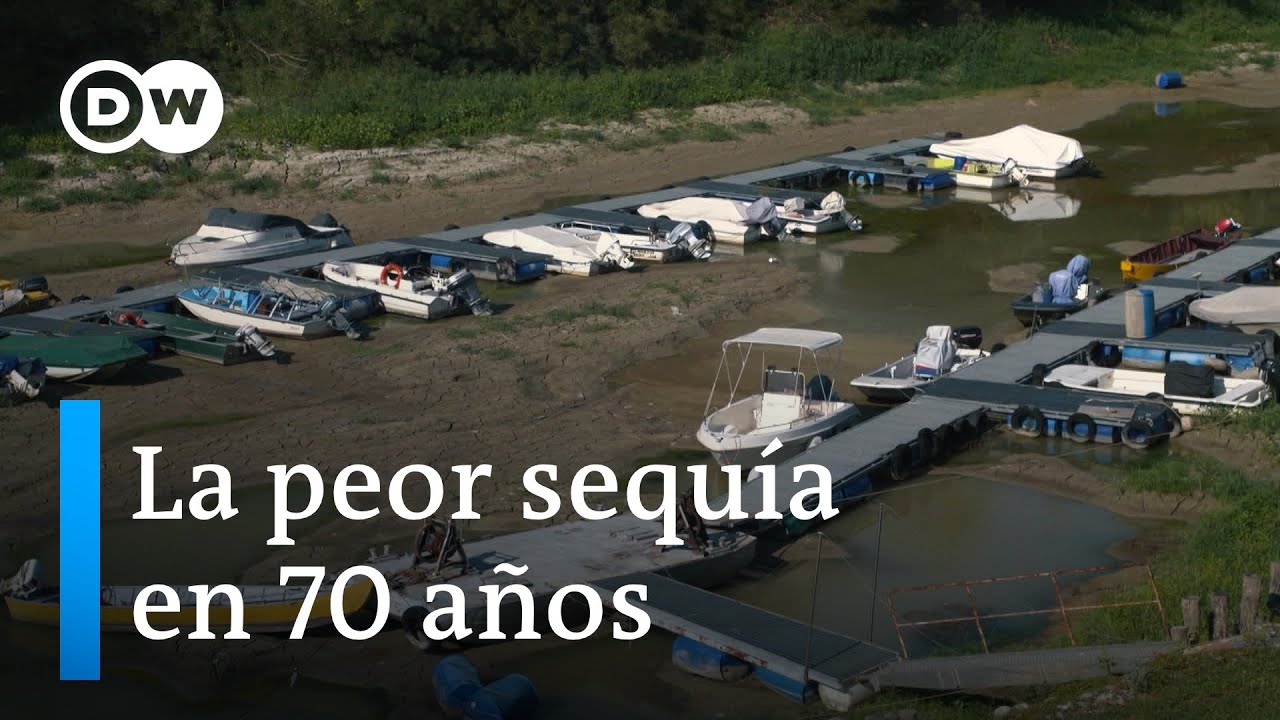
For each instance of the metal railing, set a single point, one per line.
(1062, 609)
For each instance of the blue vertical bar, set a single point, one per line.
(79, 540)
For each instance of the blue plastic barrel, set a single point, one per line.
(695, 658)
(791, 689)
(1190, 358)
(1140, 358)
(1169, 79)
(508, 698)
(456, 682)
(1241, 364)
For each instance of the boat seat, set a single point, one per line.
(779, 409)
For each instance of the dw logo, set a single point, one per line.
(181, 107)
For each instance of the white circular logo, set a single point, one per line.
(181, 107)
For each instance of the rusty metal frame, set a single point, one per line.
(1062, 608)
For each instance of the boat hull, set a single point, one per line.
(747, 449)
(424, 306)
(242, 255)
(305, 331)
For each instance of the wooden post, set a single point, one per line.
(1220, 626)
(1249, 595)
(1191, 616)
(1178, 633)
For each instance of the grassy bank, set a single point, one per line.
(829, 72)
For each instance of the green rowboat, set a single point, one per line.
(192, 338)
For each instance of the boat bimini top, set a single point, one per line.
(789, 382)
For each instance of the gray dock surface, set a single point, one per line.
(762, 638)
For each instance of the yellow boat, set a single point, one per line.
(1174, 253)
(25, 295)
(974, 173)
(267, 608)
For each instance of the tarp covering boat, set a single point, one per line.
(1244, 306)
(936, 353)
(254, 221)
(1036, 151)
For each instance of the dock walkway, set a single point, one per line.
(759, 637)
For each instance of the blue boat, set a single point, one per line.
(286, 307)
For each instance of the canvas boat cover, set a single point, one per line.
(936, 353)
(11, 298)
(1030, 148)
(563, 245)
(788, 337)
(253, 222)
(712, 209)
(1243, 306)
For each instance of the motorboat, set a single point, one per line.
(21, 377)
(685, 240)
(570, 253)
(193, 338)
(285, 307)
(831, 215)
(417, 292)
(972, 173)
(942, 351)
(1178, 251)
(736, 222)
(265, 608)
(797, 406)
(74, 358)
(1036, 153)
(1068, 291)
(1188, 389)
(234, 237)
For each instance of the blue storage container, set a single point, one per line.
(786, 687)
(456, 682)
(508, 698)
(695, 658)
(1169, 79)
(1257, 274)
(1241, 363)
(1141, 358)
(441, 261)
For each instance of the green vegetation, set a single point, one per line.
(80, 257)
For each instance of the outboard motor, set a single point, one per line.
(1226, 225)
(23, 377)
(608, 249)
(250, 336)
(968, 337)
(337, 319)
(834, 204)
(764, 214)
(24, 583)
(697, 240)
(462, 285)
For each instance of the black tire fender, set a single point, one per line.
(1138, 434)
(1081, 419)
(899, 460)
(927, 442)
(1027, 421)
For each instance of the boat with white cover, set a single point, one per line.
(235, 237)
(1036, 153)
(941, 352)
(797, 409)
(736, 222)
(570, 253)
(1218, 390)
(1251, 309)
(280, 306)
(831, 215)
(413, 291)
(683, 241)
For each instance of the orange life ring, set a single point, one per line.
(128, 318)
(387, 270)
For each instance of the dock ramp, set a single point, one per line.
(1012, 669)
(759, 637)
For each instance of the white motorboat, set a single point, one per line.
(233, 237)
(796, 409)
(570, 252)
(941, 352)
(736, 222)
(683, 241)
(281, 307)
(1036, 153)
(1217, 390)
(414, 292)
(831, 215)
